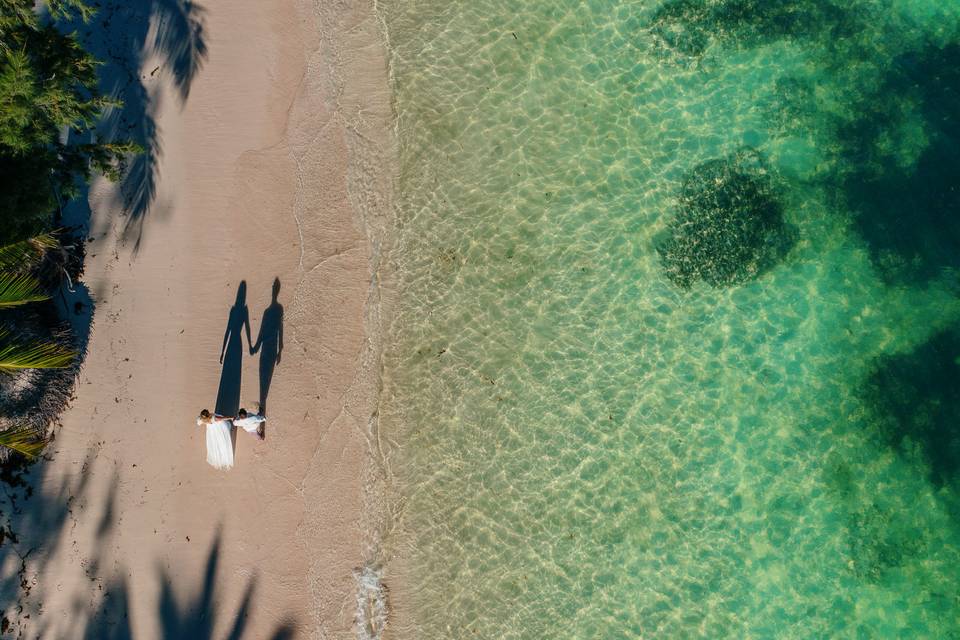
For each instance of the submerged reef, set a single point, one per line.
(889, 129)
(688, 27)
(729, 225)
(683, 26)
(900, 165)
(915, 403)
(881, 538)
(880, 534)
(913, 408)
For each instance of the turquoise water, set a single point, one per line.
(595, 442)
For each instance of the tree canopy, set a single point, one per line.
(49, 107)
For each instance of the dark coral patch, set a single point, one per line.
(683, 26)
(688, 27)
(729, 225)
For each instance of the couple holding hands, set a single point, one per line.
(220, 434)
(219, 424)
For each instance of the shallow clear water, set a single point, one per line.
(589, 450)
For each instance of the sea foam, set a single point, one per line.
(371, 618)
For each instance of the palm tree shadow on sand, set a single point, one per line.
(125, 34)
(196, 620)
(38, 514)
(269, 344)
(231, 354)
(193, 617)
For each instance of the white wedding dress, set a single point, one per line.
(219, 443)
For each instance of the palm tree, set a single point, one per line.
(23, 440)
(16, 355)
(19, 287)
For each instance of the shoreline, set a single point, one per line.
(355, 43)
(276, 165)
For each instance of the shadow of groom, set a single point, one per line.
(269, 344)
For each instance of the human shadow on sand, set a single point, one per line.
(231, 354)
(269, 344)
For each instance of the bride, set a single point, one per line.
(219, 441)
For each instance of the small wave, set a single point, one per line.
(371, 616)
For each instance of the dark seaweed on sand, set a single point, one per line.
(729, 225)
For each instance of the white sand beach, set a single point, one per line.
(276, 165)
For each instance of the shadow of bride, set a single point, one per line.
(231, 354)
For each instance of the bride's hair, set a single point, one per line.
(242, 413)
(205, 414)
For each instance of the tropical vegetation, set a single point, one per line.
(49, 109)
(19, 286)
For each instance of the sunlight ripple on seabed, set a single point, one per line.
(726, 453)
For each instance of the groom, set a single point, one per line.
(251, 423)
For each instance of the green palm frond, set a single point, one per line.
(26, 253)
(15, 356)
(23, 440)
(16, 290)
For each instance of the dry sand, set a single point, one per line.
(277, 165)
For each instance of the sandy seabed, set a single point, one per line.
(274, 163)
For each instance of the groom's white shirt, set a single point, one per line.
(251, 423)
